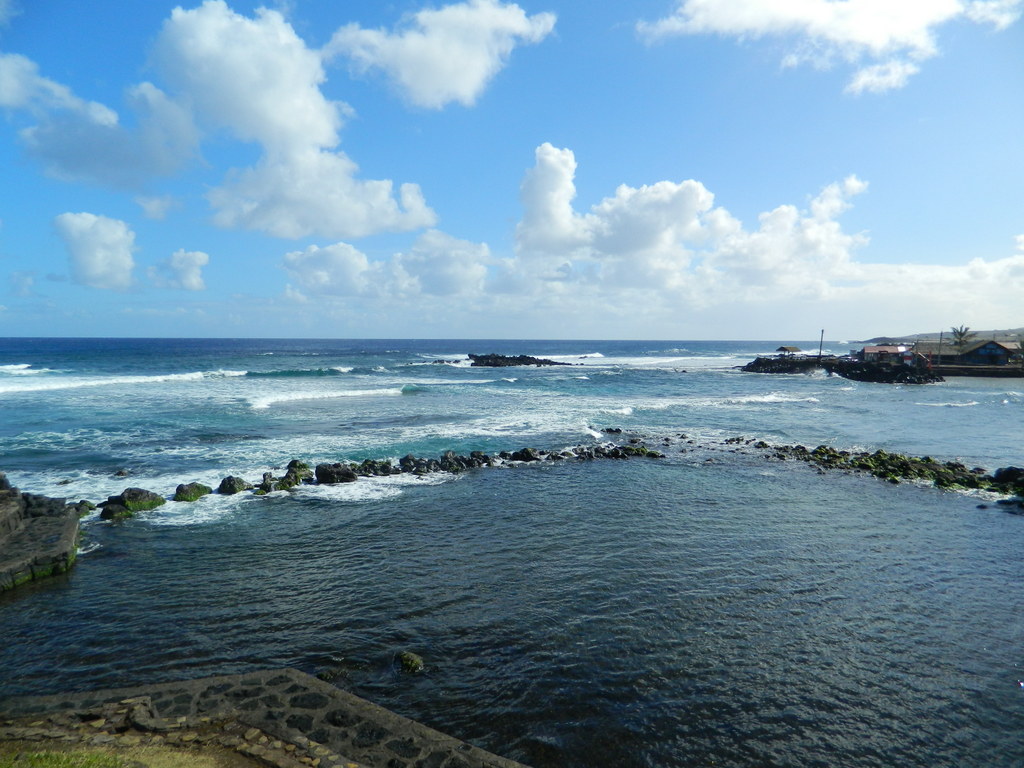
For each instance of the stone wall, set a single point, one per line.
(283, 718)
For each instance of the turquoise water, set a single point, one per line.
(708, 608)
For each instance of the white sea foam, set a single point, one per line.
(372, 488)
(265, 401)
(950, 405)
(432, 382)
(773, 397)
(342, 368)
(23, 369)
(81, 383)
(207, 509)
(624, 411)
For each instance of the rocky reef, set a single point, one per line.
(897, 467)
(507, 361)
(855, 370)
(788, 364)
(38, 535)
(881, 373)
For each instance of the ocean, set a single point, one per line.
(712, 607)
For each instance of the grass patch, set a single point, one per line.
(26, 755)
(75, 759)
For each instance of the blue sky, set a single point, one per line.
(676, 169)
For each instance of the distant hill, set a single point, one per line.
(1011, 334)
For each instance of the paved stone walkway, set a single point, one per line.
(280, 718)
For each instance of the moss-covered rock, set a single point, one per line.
(410, 662)
(231, 485)
(141, 500)
(191, 491)
(115, 512)
(129, 502)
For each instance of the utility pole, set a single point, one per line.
(821, 343)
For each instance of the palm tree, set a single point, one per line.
(962, 336)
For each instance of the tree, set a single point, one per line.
(962, 336)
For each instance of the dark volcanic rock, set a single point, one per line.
(526, 454)
(115, 512)
(130, 501)
(335, 473)
(191, 491)
(782, 365)
(895, 467)
(38, 536)
(881, 373)
(231, 484)
(507, 361)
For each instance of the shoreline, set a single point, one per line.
(282, 718)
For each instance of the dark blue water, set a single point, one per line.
(709, 608)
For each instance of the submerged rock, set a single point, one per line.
(410, 662)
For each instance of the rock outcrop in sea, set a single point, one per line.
(897, 467)
(38, 535)
(507, 361)
(855, 370)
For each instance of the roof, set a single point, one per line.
(788, 349)
(949, 347)
(890, 349)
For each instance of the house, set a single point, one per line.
(989, 353)
(884, 353)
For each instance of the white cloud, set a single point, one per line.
(75, 146)
(436, 265)
(661, 255)
(100, 249)
(549, 224)
(880, 78)
(639, 235)
(334, 270)
(669, 241)
(156, 207)
(183, 270)
(885, 40)
(999, 13)
(443, 265)
(22, 87)
(22, 283)
(256, 79)
(8, 10)
(314, 192)
(444, 55)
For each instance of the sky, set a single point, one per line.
(659, 169)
